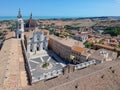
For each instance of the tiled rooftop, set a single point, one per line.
(102, 54)
(78, 49)
(68, 42)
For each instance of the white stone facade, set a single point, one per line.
(20, 27)
(38, 42)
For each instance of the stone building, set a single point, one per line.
(66, 47)
(81, 37)
(36, 41)
(31, 24)
(103, 55)
(19, 26)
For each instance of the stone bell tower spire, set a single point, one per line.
(31, 16)
(20, 26)
(19, 14)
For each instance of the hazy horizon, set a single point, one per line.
(48, 17)
(70, 8)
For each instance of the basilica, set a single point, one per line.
(35, 39)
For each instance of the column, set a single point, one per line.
(46, 45)
(41, 45)
(41, 41)
(28, 48)
(22, 36)
(34, 48)
(16, 35)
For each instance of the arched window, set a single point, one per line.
(38, 37)
(19, 26)
(19, 35)
(30, 47)
(38, 46)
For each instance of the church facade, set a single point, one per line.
(38, 42)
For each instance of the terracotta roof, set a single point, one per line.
(64, 32)
(80, 35)
(46, 32)
(67, 41)
(118, 49)
(104, 46)
(91, 40)
(78, 49)
(114, 43)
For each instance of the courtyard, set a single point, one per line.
(45, 65)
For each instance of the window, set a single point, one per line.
(38, 37)
(19, 26)
(19, 35)
(30, 50)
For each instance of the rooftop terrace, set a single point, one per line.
(11, 64)
(67, 41)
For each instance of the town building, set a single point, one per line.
(64, 47)
(85, 55)
(103, 55)
(81, 37)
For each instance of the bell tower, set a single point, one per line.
(20, 26)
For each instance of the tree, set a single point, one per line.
(51, 31)
(100, 41)
(89, 45)
(46, 64)
(113, 31)
(57, 34)
(118, 46)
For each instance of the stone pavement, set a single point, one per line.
(12, 76)
(23, 74)
(12, 71)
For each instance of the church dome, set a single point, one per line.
(31, 23)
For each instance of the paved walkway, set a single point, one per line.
(12, 71)
(57, 58)
(12, 76)
(23, 74)
(4, 57)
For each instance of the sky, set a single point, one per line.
(74, 8)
